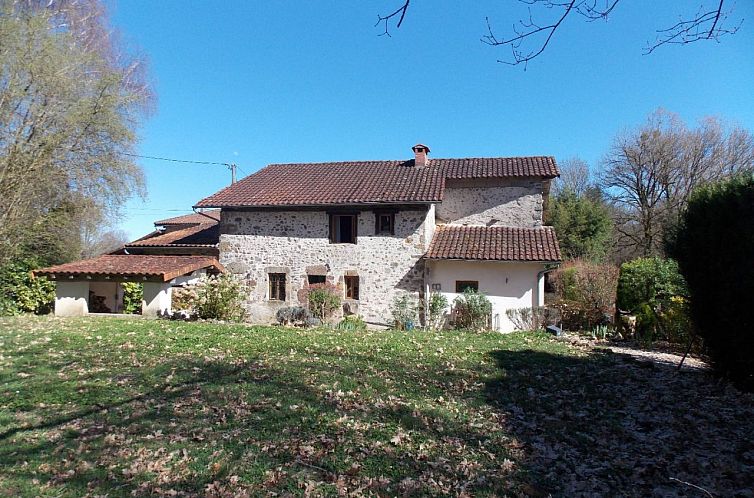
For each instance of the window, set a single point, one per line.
(277, 286)
(384, 223)
(352, 286)
(343, 228)
(315, 279)
(462, 285)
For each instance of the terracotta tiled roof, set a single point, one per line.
(164, 268)
(494, 243)
(197, 235)
(368, 182)
(192, 219)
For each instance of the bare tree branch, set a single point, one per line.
(706, 24)
(386, 19)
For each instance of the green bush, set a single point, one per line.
(352, 323)
(220, 297)
(322, 300)
(20, 292)
(646, 288)
(472, 311)
(133, 294)
(438, 305)
(404, 310)
(714, 246)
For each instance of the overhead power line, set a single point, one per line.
(176, 160)
(231, 166)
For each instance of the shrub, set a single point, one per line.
(20, 292)
(714, 246)
(438, 304)
(322, 300)
(220, 297)
(352, 323)
(472, 310)
(404, 310)
(294, 315)
(646, 287)
(133, 294)
(586, 294)
(536, 318)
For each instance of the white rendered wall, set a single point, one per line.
(71, 298)
(507, 285)
(157, 296)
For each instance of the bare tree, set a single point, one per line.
(650, 173)
(574, 177)
(531, 36)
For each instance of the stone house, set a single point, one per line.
(376, 229)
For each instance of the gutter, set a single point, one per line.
(205, 215)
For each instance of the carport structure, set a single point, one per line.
(94, 285)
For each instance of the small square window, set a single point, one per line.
(277, 286)
(316, 279)
(385, 223)
(464, 285)
(436, 287)
(352, 286)
(343, 228)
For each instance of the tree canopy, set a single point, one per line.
(71, 101)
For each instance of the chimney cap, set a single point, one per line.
(420, 146)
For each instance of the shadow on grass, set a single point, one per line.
(607, 424)
(270, 427)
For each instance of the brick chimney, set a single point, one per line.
(420, 155)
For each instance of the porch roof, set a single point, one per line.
(495, 243)
(124, 266)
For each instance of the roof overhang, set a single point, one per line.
(130, 267)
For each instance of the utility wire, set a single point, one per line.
(175, 160)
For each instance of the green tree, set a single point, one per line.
(582, 223)
(70, 105)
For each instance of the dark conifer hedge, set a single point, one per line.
(714, 246)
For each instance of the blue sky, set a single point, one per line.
(257, 82)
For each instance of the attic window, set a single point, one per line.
(384, 223)
(343, 228)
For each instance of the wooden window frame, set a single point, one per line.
(354, 226)
(377, 222)
(275, 288)
(354, 289)
(460, 284)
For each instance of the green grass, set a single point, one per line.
(98, 406)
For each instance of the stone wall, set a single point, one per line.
(489, 202)
(256, 243)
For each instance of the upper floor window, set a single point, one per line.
(277, 286)
(385, 223)
(343, 228)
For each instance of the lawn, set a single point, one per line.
(118, 407)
